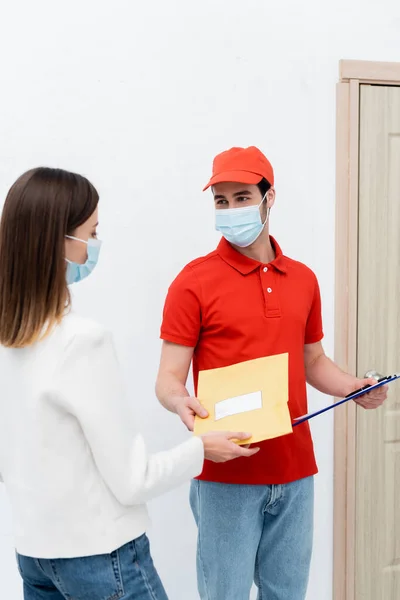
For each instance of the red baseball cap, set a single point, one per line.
(242, 165)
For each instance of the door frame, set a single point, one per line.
(352, 74)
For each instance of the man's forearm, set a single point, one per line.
(170, 391)
(324, 375)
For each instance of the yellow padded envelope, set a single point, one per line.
(251, 396)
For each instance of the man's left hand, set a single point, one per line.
(372, 399)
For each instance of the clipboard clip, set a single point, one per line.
(378, 378)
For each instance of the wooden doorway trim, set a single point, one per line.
(351, 75)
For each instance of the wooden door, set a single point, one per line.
(377, 560)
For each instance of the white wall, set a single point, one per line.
(139, 97)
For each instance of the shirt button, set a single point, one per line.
(269, 290)
(265, 269)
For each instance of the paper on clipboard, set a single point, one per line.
(249, 396)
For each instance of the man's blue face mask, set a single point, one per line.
(240, 226)
(75, 271)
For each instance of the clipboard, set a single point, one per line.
(352, 396)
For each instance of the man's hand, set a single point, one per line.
(187, 408)
(325, 376)
(372, 399)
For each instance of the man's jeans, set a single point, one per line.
(260, 533)
(127, 573)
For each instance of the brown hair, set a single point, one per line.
(41, 208)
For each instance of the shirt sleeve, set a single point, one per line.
(182, 310)
(90, 387)
(314, 331)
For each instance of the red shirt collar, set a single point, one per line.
(246, 265)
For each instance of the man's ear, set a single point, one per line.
(270, 198)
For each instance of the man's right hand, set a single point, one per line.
(187, 408)
(219, 447)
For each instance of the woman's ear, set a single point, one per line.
(67, 248)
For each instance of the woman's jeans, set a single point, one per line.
(127, 573)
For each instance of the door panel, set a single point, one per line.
(378, 431)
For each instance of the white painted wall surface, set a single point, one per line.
(140, 96)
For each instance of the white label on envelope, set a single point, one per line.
(237, 405)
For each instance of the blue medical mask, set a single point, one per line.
(240, 226)
(77, 272)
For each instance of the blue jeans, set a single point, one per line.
(127, 573)
(260, 533)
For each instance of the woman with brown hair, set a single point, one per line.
(77, 474)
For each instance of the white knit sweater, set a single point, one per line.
(77, 473)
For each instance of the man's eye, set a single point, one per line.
(242, 198)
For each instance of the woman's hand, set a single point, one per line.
(219, 447)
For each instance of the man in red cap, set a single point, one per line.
(243, 301)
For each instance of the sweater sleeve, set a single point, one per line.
(89, 386)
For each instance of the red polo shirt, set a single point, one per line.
(231, 309)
